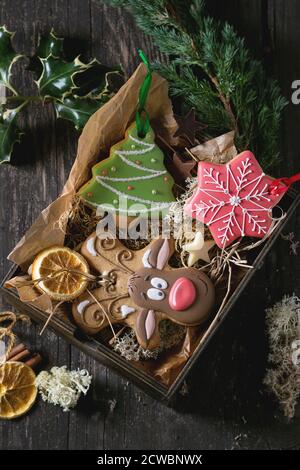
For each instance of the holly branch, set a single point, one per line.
(75, 89)
(210, 68)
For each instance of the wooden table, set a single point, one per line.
(226, 407)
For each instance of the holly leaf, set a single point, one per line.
(8, 57)
(9, 132)
(95, 86)
(98, 80)
(50, 44)
(56, 80)
(77, 110)
(114, 81)
(75, 90)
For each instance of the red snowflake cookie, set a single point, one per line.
(233, 200)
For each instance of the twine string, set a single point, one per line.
(224, 260)
(89, 277)
(53, 275)
(51, 315)
(103, 311)
(7, 331)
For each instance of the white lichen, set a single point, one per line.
(63, 387)
(283, 329)
(177, 219)
(294, 244)
(112, 403)
(184, 390)
(128, 347)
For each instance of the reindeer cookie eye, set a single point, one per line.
(159, 283)
(155, 294)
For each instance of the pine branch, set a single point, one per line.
(213, 71)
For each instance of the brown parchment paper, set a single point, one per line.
(29, 294)
(221, 149)
(106, 127)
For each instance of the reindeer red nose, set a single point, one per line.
(182, 294)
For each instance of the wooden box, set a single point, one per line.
(110, 358)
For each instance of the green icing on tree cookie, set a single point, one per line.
(132, 180)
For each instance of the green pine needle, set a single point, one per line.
(211, 69)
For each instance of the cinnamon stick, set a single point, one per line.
(34, 360)
(20, 356)
(16, 350)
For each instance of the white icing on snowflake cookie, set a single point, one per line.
(233, 200)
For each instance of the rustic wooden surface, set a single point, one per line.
(226, 407)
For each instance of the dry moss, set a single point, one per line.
(283, 377)
(128, 347)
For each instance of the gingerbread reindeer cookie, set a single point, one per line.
(140, 289)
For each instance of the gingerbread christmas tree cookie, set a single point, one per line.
(132, 180)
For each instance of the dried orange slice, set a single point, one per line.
(67, 284)
(17, 389)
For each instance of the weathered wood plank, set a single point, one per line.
(225, 407)
(284, 272)
(26, 188)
